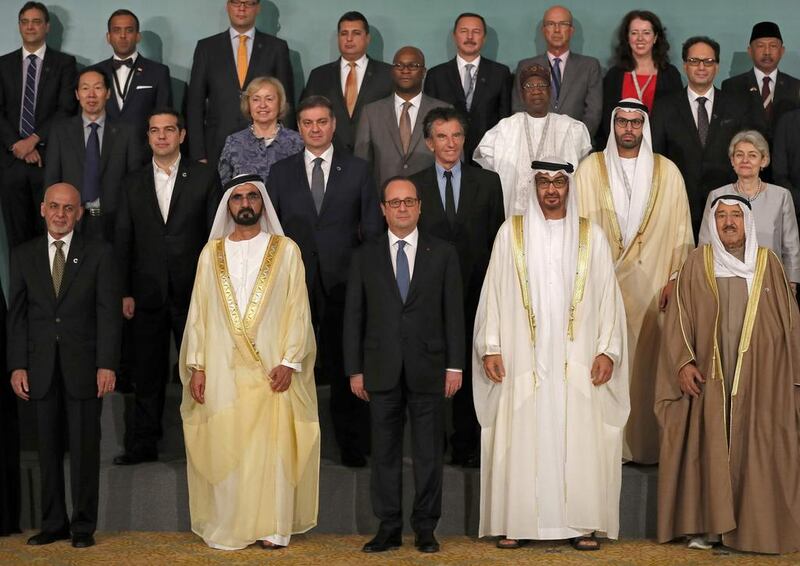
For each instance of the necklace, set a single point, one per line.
(534, 156)
(640, 89)
(737, 189)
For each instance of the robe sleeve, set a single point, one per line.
(790, 243)
(582, 141)
(484, 154)
(684, 238)
(296, 316)
(194, 335)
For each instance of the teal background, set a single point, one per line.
(170, 28)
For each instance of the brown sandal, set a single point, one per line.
(587, 542)
(508, 543)
(266, 545)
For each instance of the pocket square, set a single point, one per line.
(140, 87)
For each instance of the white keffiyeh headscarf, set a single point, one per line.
(223, 222)
(725, 263)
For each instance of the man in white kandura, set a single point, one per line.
(247, 364)
(509, 148)
(550, 376)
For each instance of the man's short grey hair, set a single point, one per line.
(750, 136)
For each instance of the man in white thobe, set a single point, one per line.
(509, 148)
(550, 375)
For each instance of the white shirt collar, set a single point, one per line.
(133, 56)
(361, 63)
(415, 102)
(251, 33)
(693, 96)
(39, 52)
(410, 240)
(564, 56)
(760, 77)
(326, 156)
(101, 121)
(463, 63)
(67, 239)
(173, 169)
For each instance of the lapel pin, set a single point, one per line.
(184, 175)
(338, 168)
(138, 69)
(74, 260)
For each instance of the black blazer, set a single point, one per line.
(480, 214)
(669, 80)
(55, 97)
(158, 260)
(385, 338)
(213, 95)
(120, 154)
(81, 329)
(149, 88)
(349, 215)
(326, 80)
(747, 93)
(786, 155)
(675, 136)
(491, 101)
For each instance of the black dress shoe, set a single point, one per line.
(383, 541)
(132, 458)
(45, 537)
(426, 542)
(82, 540)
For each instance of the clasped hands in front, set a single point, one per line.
(601, 371)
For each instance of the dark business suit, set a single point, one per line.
(403, 350)
(491, 101)
(479, 215)
(326, 81)
(746, 93)
(22, 189)
(213, 95)
(62, 341)
(786, 154)
(120, 155)
(349, 215)
(675, 136)
(157, 262)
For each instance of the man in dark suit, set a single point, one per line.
(478, 87)
(389, 133)
(165, 215)
(93, 153)
(771, 92)
(464, 206)
(36, 87)
(327, 203)
(404, 349)
(786, 155)
(696, 139)
(64, 328)
(222, 66)
(140, 85)
(576, 84)
(352, 81)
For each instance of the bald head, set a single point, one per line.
(557, 29)
(410, 51)
(408, 71)
(61, 209)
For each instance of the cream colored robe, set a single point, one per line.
(507, 412)
(252, 454)
(643, 268)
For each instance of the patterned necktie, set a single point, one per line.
(556, 73)
(27, 121)
(402, 275)
(58, 266)
(317, 183)
(91, 166)
(405, 128)
(702, 119)
(449, 199)
(766, 98)
(241, 60)
(351, 88)
(469, 84)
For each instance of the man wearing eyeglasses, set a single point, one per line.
(389, 132)
(576, 85)
(693, 127)
(639, 200)
(222, 66)
(404, 351)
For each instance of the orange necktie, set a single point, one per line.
(241, 60)
(351, 89)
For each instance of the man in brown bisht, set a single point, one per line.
(728, 395)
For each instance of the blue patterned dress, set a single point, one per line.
(244, 153)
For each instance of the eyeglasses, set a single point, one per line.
(635, 123)
(696, 62)
(396, 202)
(558, 182)
(553, 25)
(251, 197)
(408, 66)
(536, 86)
(245, 3)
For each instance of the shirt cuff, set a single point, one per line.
(298, 367)
(455, 370)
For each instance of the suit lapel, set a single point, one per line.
(687, 117)
(332, 186)
(392, 126)
(416, 132)
(458, 86)
(256, 56)
(467, 194)
(305, 188)
(151, 197)
(44, 77)
(15, 73)
(109, 138)
(74, 263)
(228, 58)
(336, 81)
(388, 270)
(714, 121)
(182, 181)
(566, 75)
(108, 67)
(433, 207)
(42, 266)
(78, 141)
(421, 260)
(139, 69)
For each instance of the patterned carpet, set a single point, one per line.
(174, 549)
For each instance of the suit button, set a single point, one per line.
(58, 337)
(405, 165)
(58, 320)
(313, 254)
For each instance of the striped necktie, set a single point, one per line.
(27, 121)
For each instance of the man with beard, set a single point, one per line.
(247, 365)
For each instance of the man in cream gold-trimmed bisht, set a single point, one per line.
(550, 375)
(247, 360)
(639, 200)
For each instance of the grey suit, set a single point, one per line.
(581, 95)
(378, 139)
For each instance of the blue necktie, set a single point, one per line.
(91, 166)
(556, 73)
(27, 122)
(403, 277)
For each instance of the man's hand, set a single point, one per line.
(602, 368)
(105, 381)
(19, 383)
(34, 158)
(357, 386)
(452, 383)
(25, 146)
(280, 378)
(666, 295)
(690, 379)
(197, 386)
(128, 307)
(493, 367)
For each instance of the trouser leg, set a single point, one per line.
(50, 428)
(426, 415)
(83, 417)
(386, 487)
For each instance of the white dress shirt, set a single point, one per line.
(773, 76)
(563, 57)
(462, 68)
(25, 64)
(693, 96)
(326, 156)
(412, 111)
(164, 180)
(361, 69)
(410, 249)
(123, 74)
(51, 248)
(251, 34)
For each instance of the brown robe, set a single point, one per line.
(746, 488)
